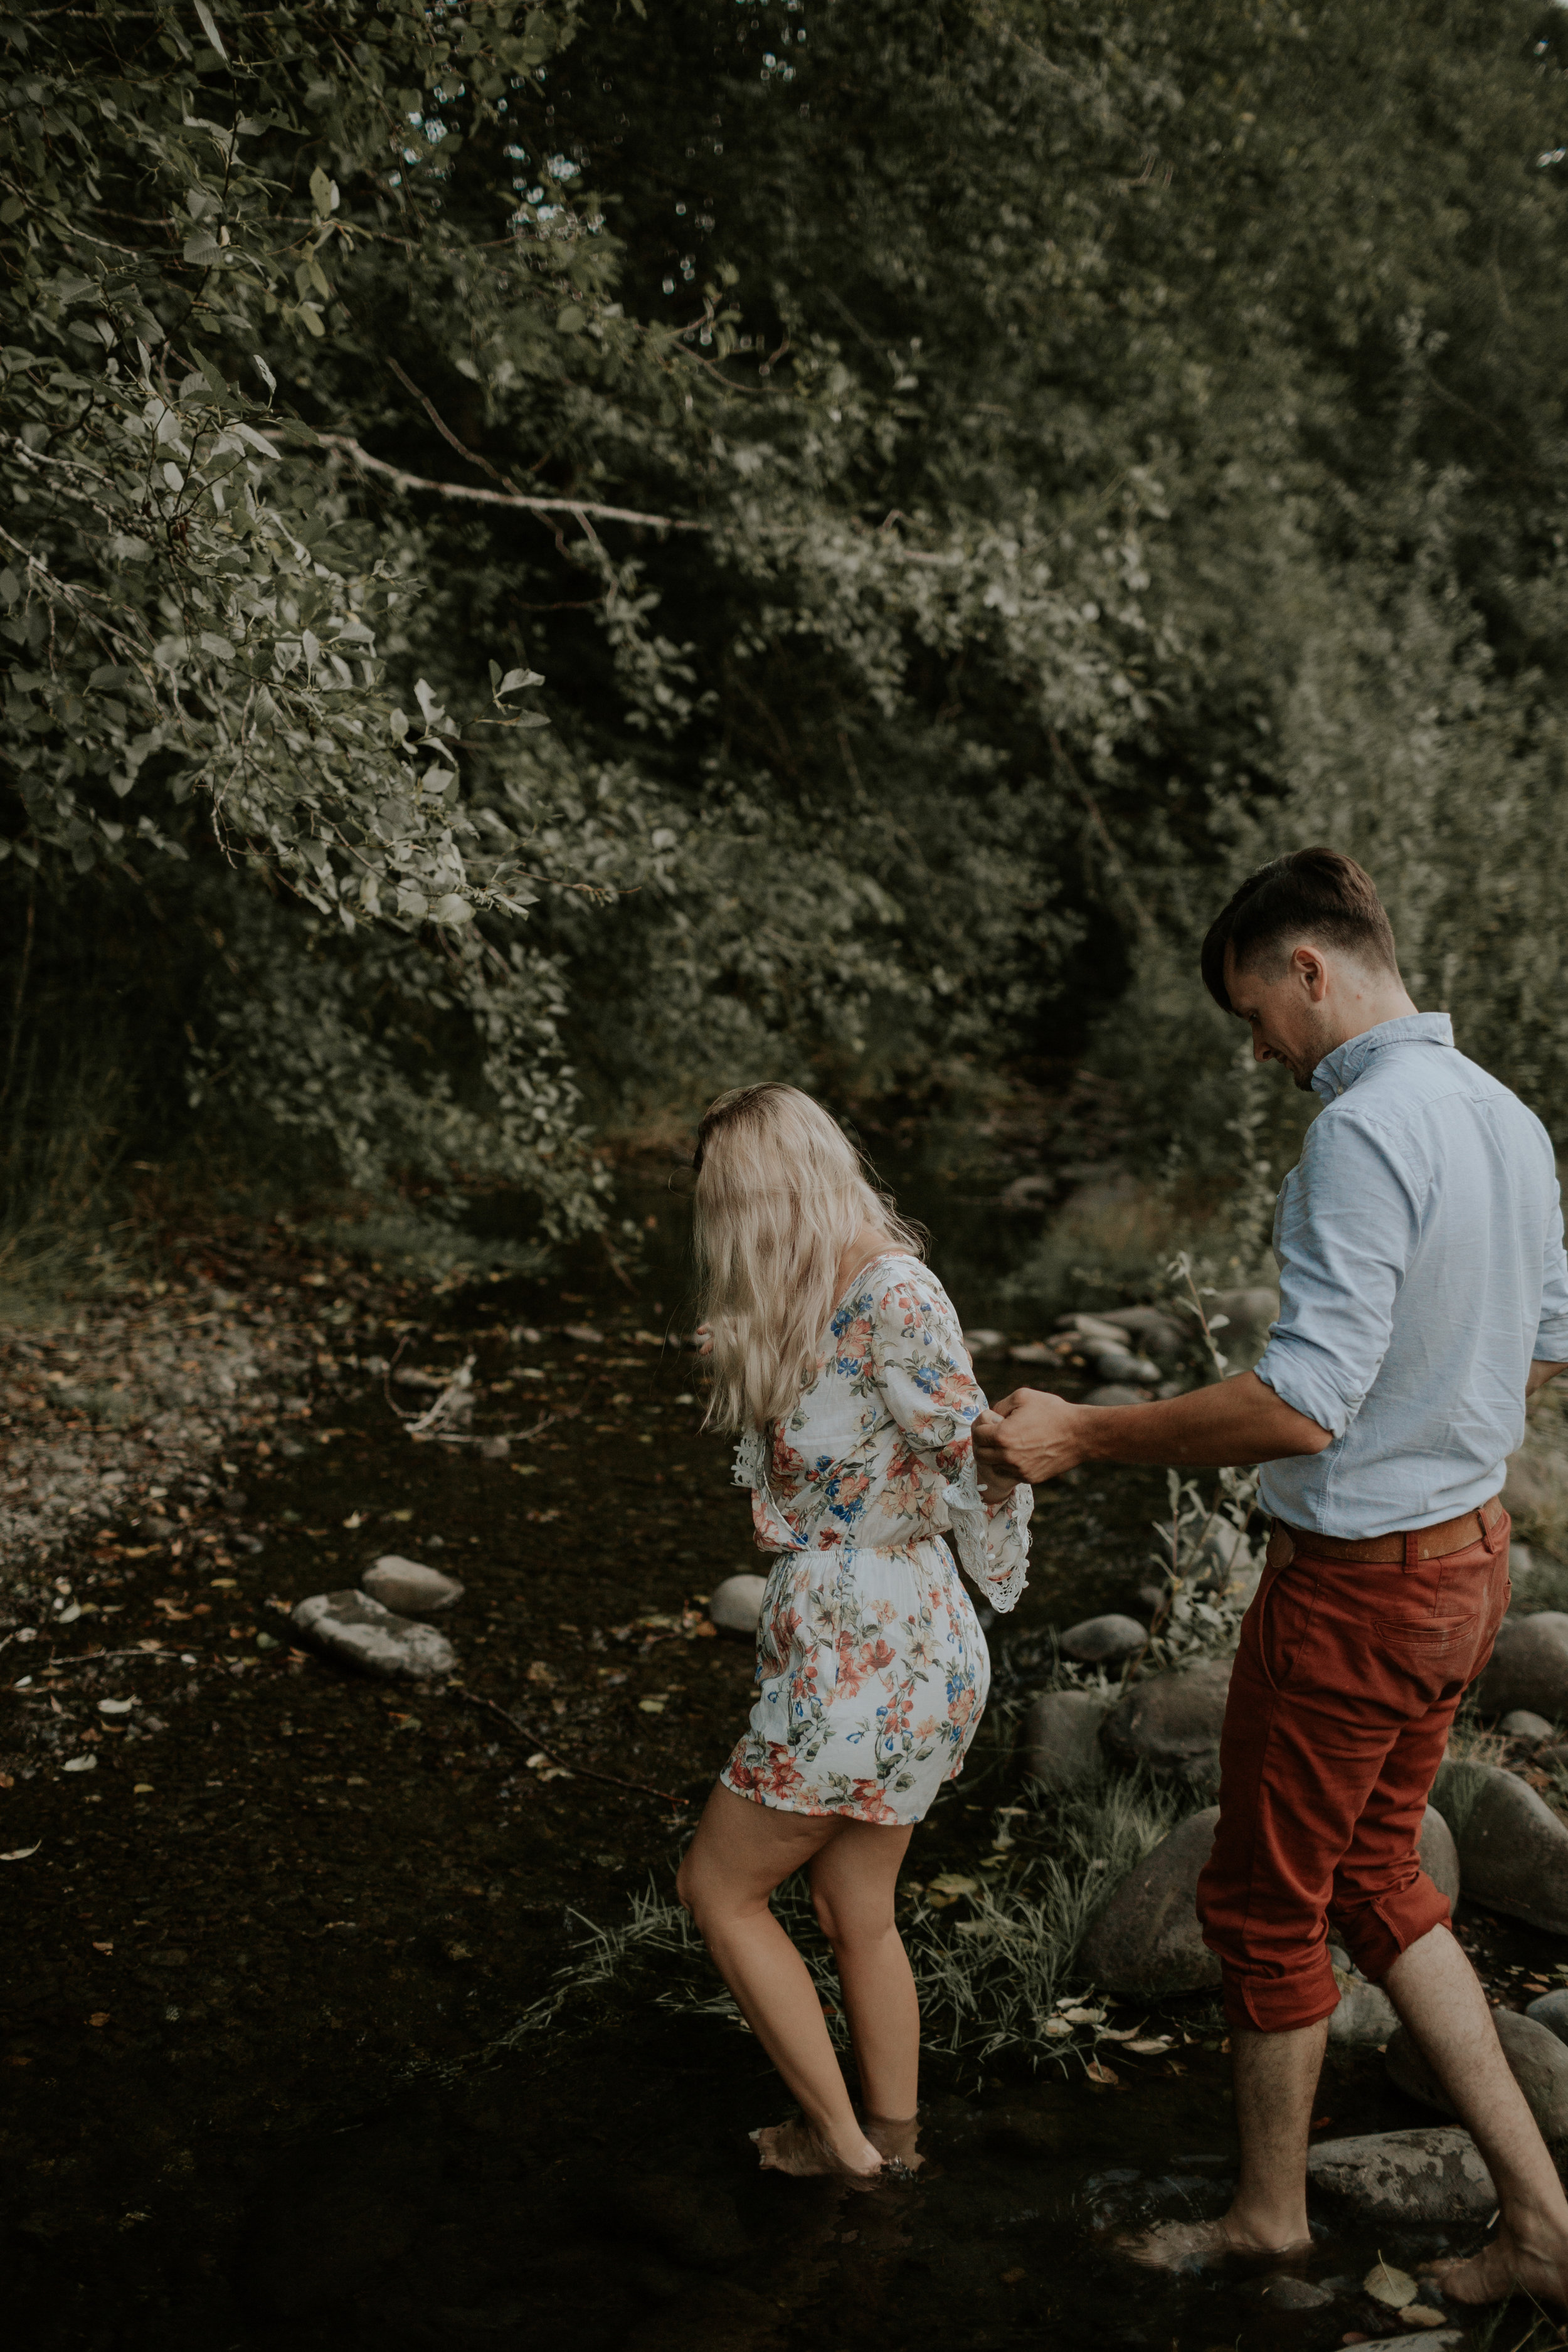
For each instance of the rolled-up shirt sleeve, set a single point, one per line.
(1348, 1224)
(1551, 1331)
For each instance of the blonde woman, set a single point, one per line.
(838, 1361)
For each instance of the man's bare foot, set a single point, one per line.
(1503, 2267)
(795, 2147)
(1184, 2245)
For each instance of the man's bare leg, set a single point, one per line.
(1440, 1999)
(1276, 2082)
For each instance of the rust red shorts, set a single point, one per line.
(1343, 1693)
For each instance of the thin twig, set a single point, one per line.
(526, 1730)
(402, 481)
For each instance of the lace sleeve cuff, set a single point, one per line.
(992, 1539)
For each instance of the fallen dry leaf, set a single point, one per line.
(1098, 2072)
(1386, 2284)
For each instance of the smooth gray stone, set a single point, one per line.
(356, 1630)
(985, 1343)
(1523, 1725)
(1121, 1364)
(1551, 2009)
(1529, 1666)
(1527, 1488)
(1439, 1855)
(1249, 1312)
(1513, 1851)
(1098, 1640)
(409, 1587)
(1146, 1941)
(1428, 2339)
(1114, 1393)
(1283, 2290)
(1365, 2017)
(1061, 1739)
(737, 1604)
(1157, 1333)
(1434, 2173)
(1538, 2061)
(1172, 1722)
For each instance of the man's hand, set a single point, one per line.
(1030, 1435)
(1033, 1435)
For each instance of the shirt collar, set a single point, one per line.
(1349, 1062)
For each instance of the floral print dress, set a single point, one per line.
(872, 1670)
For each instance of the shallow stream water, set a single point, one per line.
(263, 2086)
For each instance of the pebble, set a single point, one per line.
(1551, 2009)
(1146, 1941)
(1513, 1851)
(985, 1342)
(1522, 1724)
(410, 1588)
(1529, 1666)
(1098, 1641)
(1434, 2173)
(356, 1630)
(1538, 2061)
(1115, 1393)
(737, 1604)
(1172, 1722)
(1062, 1738)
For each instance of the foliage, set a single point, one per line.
(1076, 455)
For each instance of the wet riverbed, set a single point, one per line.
(263, 1972)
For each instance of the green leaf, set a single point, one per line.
(210, 26)
(515, 680)
(571, 318)
(452, 910)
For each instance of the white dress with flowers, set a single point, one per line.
(872, 1670)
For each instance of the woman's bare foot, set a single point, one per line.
(894, 2137)
(795, 2147)
(1503, 2267)
(1181, 2245)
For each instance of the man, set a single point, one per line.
(1424, 1296)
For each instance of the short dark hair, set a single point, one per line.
(1309, 894)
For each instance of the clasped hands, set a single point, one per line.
(1026, 1437)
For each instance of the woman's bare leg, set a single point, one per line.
(853, 1882)
(740, 1852)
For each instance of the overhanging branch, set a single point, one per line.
(464, 495)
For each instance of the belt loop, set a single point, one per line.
(1486, 1530)
(1412, 1549)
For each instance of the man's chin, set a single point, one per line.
(1301, 1079)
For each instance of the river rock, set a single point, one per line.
(1529, 1666)
(1283, 2290)
(1248, 1313)
(1439, 1855)
(737, 1604)
(1115, 1393)
(1513, 1851)
(1528, 1489)
(1172, 1722)
(1551, 2010)
(1061, 1741)
(1121, 1364)
(1157, 1333)
(1146, 1942)
(1528, 1729)
(1366, 2018)
(359, 1632)
(985, 1342)
(1098, 1641)
(1434, 2173)
(410, 1588)
(1538, 2061)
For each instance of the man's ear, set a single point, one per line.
(1310, 968)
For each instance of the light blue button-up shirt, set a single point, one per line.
(1421, 1268)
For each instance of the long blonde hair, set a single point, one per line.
(780, 1194)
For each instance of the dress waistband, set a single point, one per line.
(907, 1551)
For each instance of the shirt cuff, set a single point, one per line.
(1297, 1377)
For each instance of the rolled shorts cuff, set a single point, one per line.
(1374, 1934)
(1281, 2004)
